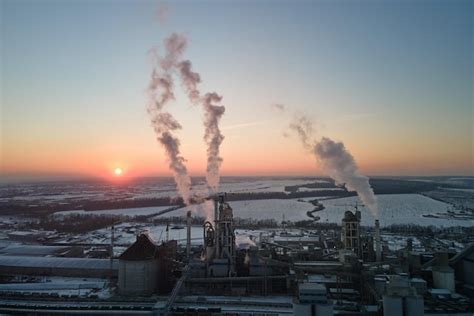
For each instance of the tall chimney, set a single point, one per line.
(188, 235)
(378, 245)
(112, 246)
(216, 226)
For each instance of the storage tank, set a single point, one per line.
(443, 274)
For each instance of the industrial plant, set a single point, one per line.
(346, 269)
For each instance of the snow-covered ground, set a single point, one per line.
(305, 189)
(146, 189)
(393, 209)
(137, 211)
(293, 210)
(62, 286)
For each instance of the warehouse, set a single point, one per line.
(72, 267)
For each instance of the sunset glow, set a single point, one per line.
(118, 171)
(361, 90)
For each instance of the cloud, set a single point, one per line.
(278, 107)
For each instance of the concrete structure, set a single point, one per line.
(312, 300)
(378, 242)
(219, 240)
(401, 299)
(53, 266)
(138, 268)
(443, 274)
(463, 264)
(350, 233)
(188, 235)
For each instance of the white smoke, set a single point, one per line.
(212, 115)
(244, 241)
(336, 161)
(213, 138)
(340, 165)
(160, 92)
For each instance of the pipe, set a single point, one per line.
(378, 246)
(217, 245)
(188, 235)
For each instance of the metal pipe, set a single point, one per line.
(378, 246)
(188, 236)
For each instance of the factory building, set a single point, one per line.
(443, 274)
(143, 267)
(401, 299)
(138, 267)
(312, 300)
(55, 266)
(219, 240)
(463, 264)
(350, 233)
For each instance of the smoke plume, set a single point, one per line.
(160, 92)
(304, 128)
(213, 137)
(340, 165)
(212, 115)
(336, 162)
(278, 107)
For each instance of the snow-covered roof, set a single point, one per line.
(55, 262)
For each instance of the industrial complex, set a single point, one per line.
(345, 270)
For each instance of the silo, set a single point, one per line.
(443, 274)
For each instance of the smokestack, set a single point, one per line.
(378, 246)
(188, 235)
(216, 225)
(112, 246)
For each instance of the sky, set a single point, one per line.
(393, 80)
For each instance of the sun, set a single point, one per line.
(118, 171)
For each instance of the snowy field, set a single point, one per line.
(393, 209)
(132, 212)
(294, 210)
(144, 189)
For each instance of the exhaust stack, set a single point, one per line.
(378, 243)
(188, 235)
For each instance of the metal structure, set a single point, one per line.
(219, 239)
(378, 242)
(350, 234)
(188, 235)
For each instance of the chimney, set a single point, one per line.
(112, 246)
(188, 235)
(216, 209)
(378, 245)
(410, 244)
(216, 226)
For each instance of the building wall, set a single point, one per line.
(444, 280)
(138, 277)
(392, 306)
(302, 309)
(468, 270)
(414, 306)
